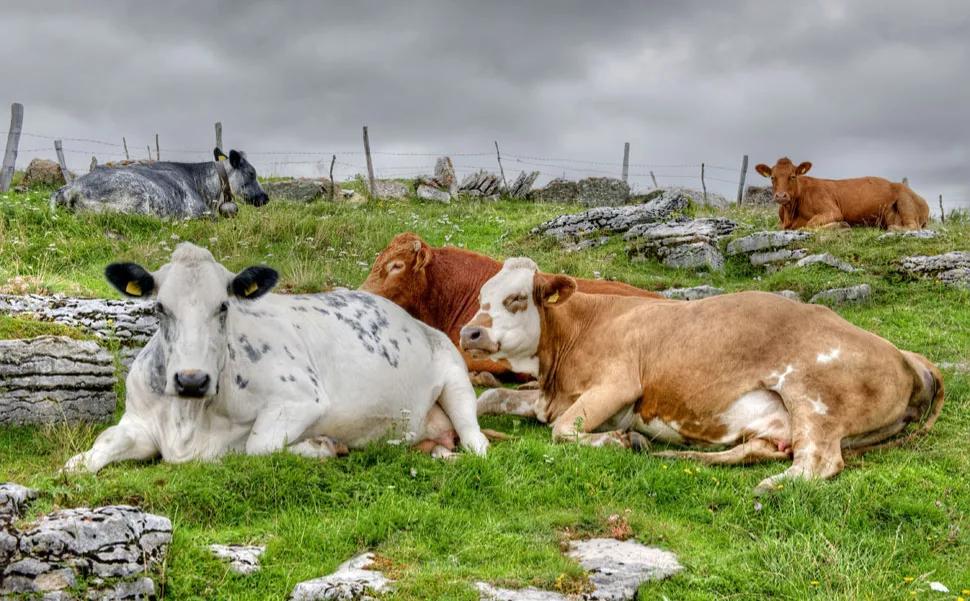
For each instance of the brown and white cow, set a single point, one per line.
(440, 287)
(770, 377)
(813, 203)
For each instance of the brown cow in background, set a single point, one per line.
(440, 287)
(815, 203)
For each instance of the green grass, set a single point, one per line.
(442, 526)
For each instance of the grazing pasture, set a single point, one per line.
(883, 529)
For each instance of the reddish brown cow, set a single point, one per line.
(811, 202)
(440, 287)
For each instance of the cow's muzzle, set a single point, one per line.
(782, 199)
(260, 199)
(191, 383)
(476, 340)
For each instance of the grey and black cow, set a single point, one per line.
(235, 369)
(165, 189)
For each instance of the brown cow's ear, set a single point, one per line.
(763, 169)
(803, 168)
(422, 257)
(554, 290)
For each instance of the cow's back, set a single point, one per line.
(162, 189)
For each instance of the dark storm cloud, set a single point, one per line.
(856, 87)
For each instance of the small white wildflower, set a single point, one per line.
(939, 587)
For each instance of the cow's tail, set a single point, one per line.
(932, 388)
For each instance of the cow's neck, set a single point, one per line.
(450, 299)
(209, 185)
(563, 330)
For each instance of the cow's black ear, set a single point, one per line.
(235, 158)
(130, 279)
(218, 154)
(254, 282)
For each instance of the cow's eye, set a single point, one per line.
(160, 309)
(792, 178)
(224, 307)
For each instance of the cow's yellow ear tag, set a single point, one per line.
(222, 157)
(252, 288)
(552, 299)
(133, 288)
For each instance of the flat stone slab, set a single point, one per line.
(826, 259)
(243, 559)
(426, 192)
(693, 293)
(488, 592)
(110, 549)
(390, 189)
(951, 268)
(53, 379)
(918, 234)
(767, 240)
(618, 568)
(611, 220)
(131, 322)
(352, 581)
(836, 296)
(14, 499)
(789, 294)
(776, 257)
(682, 244)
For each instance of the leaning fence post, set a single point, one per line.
(157, 153)
(942, 212)
(370, 165)
(703, 183)
(59, 149)
(148, 147)
(626, 161)
(498, 157)
(13, 143)
(333, 184)
(654, 180)
(744, 172)
(218, 134)
(124, 143)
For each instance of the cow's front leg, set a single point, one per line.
(590, 411)
(505, 401)
(829, 220)
(318, 447)
(281, 426)
(125, 441)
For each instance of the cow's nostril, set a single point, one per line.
(191, 383)
(475, 335)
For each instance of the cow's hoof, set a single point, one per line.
(639, 442)
(484, 379)
(533, 385)
(443, 452)
(76, 465)
(477, 443)
(228, 209)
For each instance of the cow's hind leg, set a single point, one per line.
(590, 411)
(816, 452)
(752, 451)
(459, 403)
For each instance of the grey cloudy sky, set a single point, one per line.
(857, 87)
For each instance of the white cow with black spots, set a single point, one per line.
(234, 369)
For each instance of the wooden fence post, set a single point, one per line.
(626, 161)
(703, 183)
(59, 149)
(654, 180)
(744, 172)
(218, 134)
(157, 153)
(13, 143)
(370, 165)
(942, 212)
(124, 143)
(148, 147)
(333, 184)
(498, 157)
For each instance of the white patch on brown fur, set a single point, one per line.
(658, 429)
(818, 406)
(780, 377)
(830, 356)
(757, 414)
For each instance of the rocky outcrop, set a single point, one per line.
(301, 189)
(838, 296)
(480, 183)
(107, 552)
(602, 192)
(759, 195)
(388, 189)
(354, 580)
(952, 268)
(693, 293)
(559, 190)
(522, 185)
(131, 322)
(43, 173)
(243, 559)
(426, 192)
(917, 234)
(616, 569)
(54, 379)
(683, 244)
(770, 247)
(612, 220)
(826, 259)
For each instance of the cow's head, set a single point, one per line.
(784, 178)
(242, 178)
(193, 294)
(399, 272)
(509, 322)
